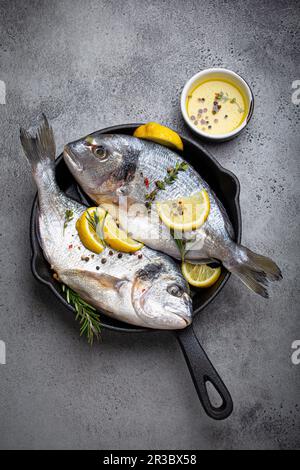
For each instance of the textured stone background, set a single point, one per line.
(90, 64)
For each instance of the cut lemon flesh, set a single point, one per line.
(160, 134)
(185, 213)
(117, 238)
(200, 275)
(86, 228)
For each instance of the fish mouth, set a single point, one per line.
(70, 158)
(186, 317)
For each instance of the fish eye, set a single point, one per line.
(100, 152)
(175, 290)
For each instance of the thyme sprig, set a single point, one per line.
(172, 174)
(86, 314)
(221, 96)
(69, 215)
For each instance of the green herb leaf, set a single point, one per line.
(69, 215)
(99, 227)
(86, 314)
(151, 196)
(181, 244)
(93, 221)
(169, 179)
(183, 166)
(160, 184)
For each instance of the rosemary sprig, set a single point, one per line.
(180, 242)
(89, 319)
(69, 215)
(172, 174)
(93, 220)
(94, 223)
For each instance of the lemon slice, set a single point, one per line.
(200, 275)
(86, 228)
(185, 213)
(159, 134)
(117, 238)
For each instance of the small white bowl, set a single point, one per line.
(217, 73)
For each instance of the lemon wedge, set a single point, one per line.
(159, 134)
(117, 238)
(86, 227)
(200, 275)
(185, 213)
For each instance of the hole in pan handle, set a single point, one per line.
(202, 372)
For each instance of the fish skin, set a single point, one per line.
(139, 291)
(111, 168)
(151, 161)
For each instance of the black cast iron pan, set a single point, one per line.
(226, 187)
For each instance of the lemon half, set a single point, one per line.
(185, 213)
(86, 228)
(160, 134)
(200, 275)
(95, 220)
(117, 238)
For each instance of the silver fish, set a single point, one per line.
(147, 290)
(112, 168)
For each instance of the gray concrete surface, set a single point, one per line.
(90, 64)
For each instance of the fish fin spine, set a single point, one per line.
(39, 150)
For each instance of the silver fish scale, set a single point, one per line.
(64, 249)
(68, 258)
(126, 162)
(154, 160)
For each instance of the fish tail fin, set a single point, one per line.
(254, 270)
(39, 150)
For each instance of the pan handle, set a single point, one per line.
(202, 372)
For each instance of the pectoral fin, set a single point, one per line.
(102, 280)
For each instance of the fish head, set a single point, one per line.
(160, 297)
(103, 164)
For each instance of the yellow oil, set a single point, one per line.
(216, 116)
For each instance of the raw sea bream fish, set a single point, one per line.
(112, 168)
(147, 290)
